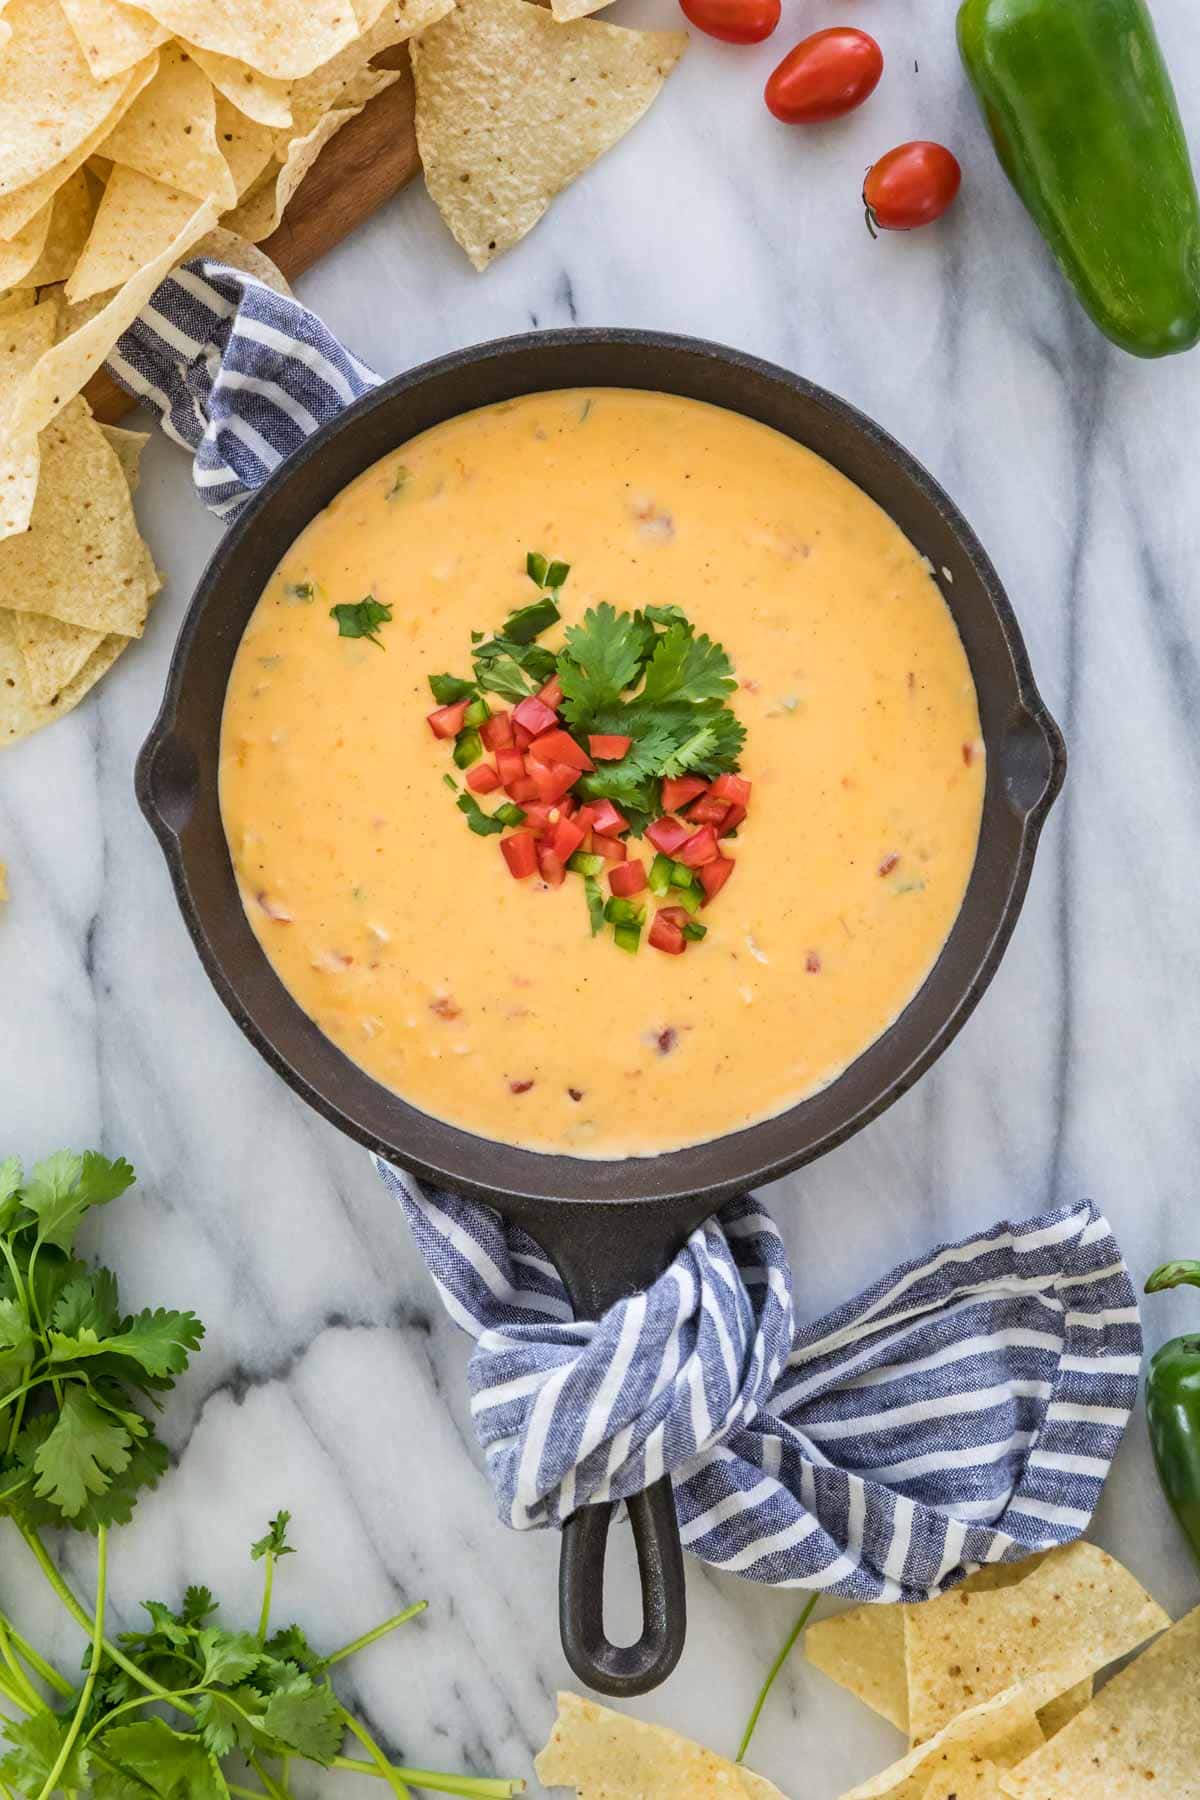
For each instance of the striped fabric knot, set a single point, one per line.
(240, 375)
(964, 1409)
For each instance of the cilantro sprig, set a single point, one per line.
(361, 619)
(77, 1449)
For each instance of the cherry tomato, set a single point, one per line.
(828, 74)
(912, 185)
(735, 21)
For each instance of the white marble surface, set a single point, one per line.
(330, 1380)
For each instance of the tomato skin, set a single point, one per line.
(825, 76)
(666, 936)
(733, 21)
(911, 186)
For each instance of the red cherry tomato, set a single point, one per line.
(912, 185)
(828, 74)
(735, 21)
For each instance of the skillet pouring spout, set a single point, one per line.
(609, 1225)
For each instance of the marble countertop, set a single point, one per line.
(331, 1382)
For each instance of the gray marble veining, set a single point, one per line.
(330, 1380)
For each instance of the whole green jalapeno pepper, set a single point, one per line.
(1173, 1409)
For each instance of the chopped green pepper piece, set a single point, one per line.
(689, 898)
(620, 911)
(468, 748)
(478, 713)
(628, 937)
(509, 813)
(556, 574)
(535, 567)
(682, 876)
(694, 932)
(595, 902)
(450, 783)
(659, 878)
(529, 622)
(584, 863)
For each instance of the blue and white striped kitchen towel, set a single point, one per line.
(964, 1409)
(239, 374)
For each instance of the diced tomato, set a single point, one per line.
(522, 791)
(551, 780)
(708, 811)
(560, 747)
(714, 875)
(607, 819)
(610, 848)
(522, 738)
(677, 790)
(482, 779)
(608, 746)
(538, 815)
(628, 877)
(587, 814)
(733, 789)
(534, 715)
(567, 838)
(447, 721)
(678, 915)
(549, 866)
(700, 848)
(510, 766)
(551, 694)
(665, 935)
(732, 820)
(667, 835)
(520, 853)
(497, 731)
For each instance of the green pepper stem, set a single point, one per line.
(769, 1683)
(1174, 1274)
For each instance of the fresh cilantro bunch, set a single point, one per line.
(648, 676)
(75, 1444)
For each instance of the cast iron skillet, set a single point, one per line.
(609, 1226)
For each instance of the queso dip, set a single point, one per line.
(485, 1000)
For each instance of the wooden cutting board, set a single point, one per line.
(368, 161)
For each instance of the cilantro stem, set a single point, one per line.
(381, 1762)
(38, 1663)
(274, 1788)
(264, 1617)
(17, 1700)
(20, 1682)
(112, 1651)
(85, 1698)
(473, 1787)
(372, 1637)
(767, 1685)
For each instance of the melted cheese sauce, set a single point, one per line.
(402, 933)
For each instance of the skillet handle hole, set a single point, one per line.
(624, 1670)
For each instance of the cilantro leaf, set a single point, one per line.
(89, 1302)
(172, 1764)
(167, 1625)
(361, 619)
(61, 1189)
(446, 689)
(33, 1749)
(17, 1344)
(198, 1602)
(274, 1542)
(10, 1191)
(289, 1644)
(81, 1454)
(304, 1717)
(687, 667)
(223, 1721)
(501, 674)
(603, 656)
(481, 823)
(161, 1342)
(229, 1656)
(595, 903)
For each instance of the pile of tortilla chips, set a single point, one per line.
(134, 136)
(993, 1682)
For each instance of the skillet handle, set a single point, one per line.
(628, 1254)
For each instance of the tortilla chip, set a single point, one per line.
(50, 102)
(137, 218)
(863, 1650)
(266, 101)
(112, 36)
(263, 207)
(1076, 1613)
(169, 133)
(281, 38)
(20, 254)
(19, 712)
(566, 10)
(15, 300)
(82, 560)
(53, 652)
(607, 1755)
(226, 246)
(1003, 1731)
(246, 146)
(397, 21)
(1060, 1712)
(965, 1776)
(17, 208)
(1138, 1737)
(511, 107)
(71, 217)
(25, 339)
